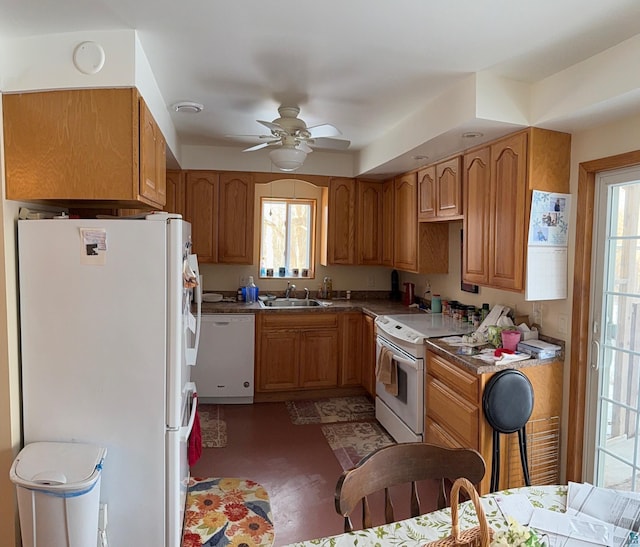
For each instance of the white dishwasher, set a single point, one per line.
(224, 367)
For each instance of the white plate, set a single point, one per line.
(211, 297)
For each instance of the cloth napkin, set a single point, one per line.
(194, 446)
(387, 371)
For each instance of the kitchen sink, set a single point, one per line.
(289, 303)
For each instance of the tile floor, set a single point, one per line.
(295, 465)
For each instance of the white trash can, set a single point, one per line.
(58, 487)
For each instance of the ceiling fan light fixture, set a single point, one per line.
(287, 159)
(188, 106)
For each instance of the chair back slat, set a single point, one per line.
(400, 464)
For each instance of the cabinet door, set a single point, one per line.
(318, 358)
(341, 233)
(369, 223)
(78, 144)
(201, 196)
(475, 247)
(387, 222)
(405, 245)
(427, 193)
(175, 202)
(508, 191)
(448, 189)
(151, 147)
(279, 354)
(369, 355)
(235, 236)
(350, 349)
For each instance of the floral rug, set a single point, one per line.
(213, 428)
(350, 442)
(222, 512)
(335, 409)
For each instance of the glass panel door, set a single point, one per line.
(616, 332)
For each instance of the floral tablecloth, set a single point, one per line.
(425, 528)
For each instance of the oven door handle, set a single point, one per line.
(397, 358)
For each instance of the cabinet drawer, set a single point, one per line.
(435, 434)
(301, 321)
(453, 376)
(456, 415)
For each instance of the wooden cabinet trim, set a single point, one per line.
(454, 377)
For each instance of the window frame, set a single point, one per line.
(313, 236)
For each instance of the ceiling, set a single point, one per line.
(365, 67)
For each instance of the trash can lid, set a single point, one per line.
(58, 466)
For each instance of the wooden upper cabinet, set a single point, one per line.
(175, 192)
(439, 191)
(508, 192)
(420, 247)
(498, 183)
(341, 229)
(427, 193)
(83, 147)
(449, 189)
(235, 218)
(388, 219)
(369, 223)
(201, 210)
(152, 158)
(476, 188)
(405, 222)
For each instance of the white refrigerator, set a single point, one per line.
(107, 341)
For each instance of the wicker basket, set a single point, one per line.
(480, 536)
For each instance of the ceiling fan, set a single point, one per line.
(292, 140)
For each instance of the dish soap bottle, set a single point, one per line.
(251, 291)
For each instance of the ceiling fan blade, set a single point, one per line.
(254, 136)
(258, 146)
(272, 126)
(304, 147)
(333, 144)
(323, 130)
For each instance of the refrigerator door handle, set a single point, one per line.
(185, 431)
(192, 353)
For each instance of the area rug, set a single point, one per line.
(223, 511)
(335, 409)
(352, 441)
(213, 428)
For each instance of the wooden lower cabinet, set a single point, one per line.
(296, 351)
(369, 355)
(350, 348)
(454, 418)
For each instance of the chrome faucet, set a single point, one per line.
(291, 290)
(306, 293)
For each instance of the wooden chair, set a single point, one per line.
(400, 464)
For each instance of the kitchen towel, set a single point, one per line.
(194, 448)
(387, 371)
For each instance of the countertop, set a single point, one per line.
(375, 307)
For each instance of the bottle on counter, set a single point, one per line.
(251, 291)
(436, 304)
(327, 288)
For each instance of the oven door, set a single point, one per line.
(402, 415)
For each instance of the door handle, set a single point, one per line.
(595, 363)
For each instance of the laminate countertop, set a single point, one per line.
(377, 306)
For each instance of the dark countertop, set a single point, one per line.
(374, 307)
(477, 366)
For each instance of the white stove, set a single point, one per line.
(414, 328)
(401, 410)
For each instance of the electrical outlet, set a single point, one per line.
(371, 281)
(242, 281)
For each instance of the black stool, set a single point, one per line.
(508, 402)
